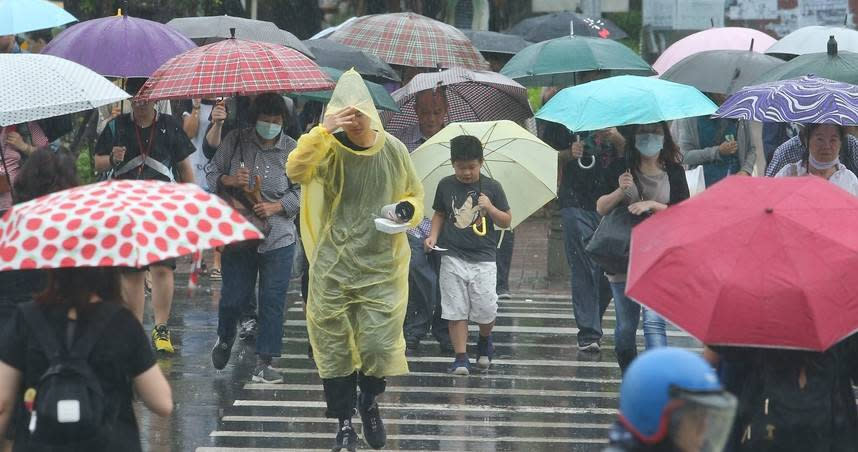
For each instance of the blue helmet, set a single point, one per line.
(660, 382)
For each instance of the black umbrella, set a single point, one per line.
(340, 56)
(494, 42)
(556, 25)
(209, 29)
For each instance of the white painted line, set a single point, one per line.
(507, 362)
(434, 422)
(446, 390)
(440, 438)
(303, 449)
(436, 407)
(487, 377)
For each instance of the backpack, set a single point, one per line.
(70, 405)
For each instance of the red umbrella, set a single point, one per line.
(234, 66)
(409, 39)
(119, 223)
(753, 262)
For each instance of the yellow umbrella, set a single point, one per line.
(525, 166)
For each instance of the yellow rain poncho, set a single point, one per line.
(358, 290)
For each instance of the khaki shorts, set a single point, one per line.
(468, 290)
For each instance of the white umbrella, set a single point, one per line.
(814, 39)
(525, 166)
(42, 86)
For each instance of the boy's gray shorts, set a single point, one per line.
(468, 290)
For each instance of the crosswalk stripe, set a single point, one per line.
(436, 422)
(505, 362)
(446, 438)
(489, 377)
(446, 390)
(436, 407)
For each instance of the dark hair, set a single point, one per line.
(668, 156)
(45, 172)
(807, 131)
(465, 147)
(73, 287)
(45, 35)
(133, 85)
(269, 104)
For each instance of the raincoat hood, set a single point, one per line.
(351, 91)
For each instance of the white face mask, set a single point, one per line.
(649, 144)
(822, 165)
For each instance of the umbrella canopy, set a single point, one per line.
(471, 96)
(555, 62)
(39, 86)
(409, 39)
(833, 65)
(117, 224)
(119, 46)
(379, 94)
(565, 23)
(807, 100)
(811, 39)
(721, 71)
(210, 29)
(340, 56)
(21, 16)
(721, 38)
(234, 67)
(627, 99)
(494, 42)
(765, 262)
(522, 163)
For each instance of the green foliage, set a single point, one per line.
(534, 95)
(84, 167)
(631, 22)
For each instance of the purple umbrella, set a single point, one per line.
(119, 46)
(807, 100)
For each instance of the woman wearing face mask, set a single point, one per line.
(248, 170)
(821, 158)
(651, 180)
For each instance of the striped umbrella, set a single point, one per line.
(234, 67)
(471, 96)
(409, 39)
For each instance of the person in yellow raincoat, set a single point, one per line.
(349, 168)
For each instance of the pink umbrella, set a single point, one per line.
(730, 38)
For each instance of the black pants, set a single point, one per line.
(341, 393)
(424, 296)
(503, 259)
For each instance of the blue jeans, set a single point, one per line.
(628, 316)
(240, 265)
(590, 292)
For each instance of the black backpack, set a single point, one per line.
(70, 405)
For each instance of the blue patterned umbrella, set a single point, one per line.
(807, 100)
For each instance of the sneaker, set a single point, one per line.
(215, 275)
(220, 353)
(485, 351)
(592, 347)
(161, 339)
(346, 438)
(264, 373)
(460, 367)
(370, 418)
(504, 295)
(248, 330)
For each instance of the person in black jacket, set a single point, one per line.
(651, 180)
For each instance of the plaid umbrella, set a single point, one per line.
(471, 96)
(409, 39)
(807, 100)
(234, 67)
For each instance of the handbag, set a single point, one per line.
(609, 246)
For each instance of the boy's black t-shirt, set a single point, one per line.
(458, 202)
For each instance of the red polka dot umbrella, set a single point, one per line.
(117, 224)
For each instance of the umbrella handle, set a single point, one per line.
(592, 162)
(481, 229)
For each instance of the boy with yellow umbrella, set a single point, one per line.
(349, 168)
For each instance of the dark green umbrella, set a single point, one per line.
(555, 62)
(721, 71)
(833, 65)
(380, 96)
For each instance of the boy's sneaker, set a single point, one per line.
(248, 330)
(373, 427)
(485, 352)
(592, 347)
(161, 339)
(346, 438)
(264, 373)
(215, 275)
(504, 295)
(460, 366)
(220, 353)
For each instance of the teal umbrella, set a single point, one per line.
(21, 16)
(833, 65)
(380, 96)
(555, 62)
(622, 100)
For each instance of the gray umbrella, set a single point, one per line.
(721, 71)
(340, 56)
(209, 29)
(494, 42)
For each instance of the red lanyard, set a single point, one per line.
(144, 151)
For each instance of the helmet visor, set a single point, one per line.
(702, 423)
